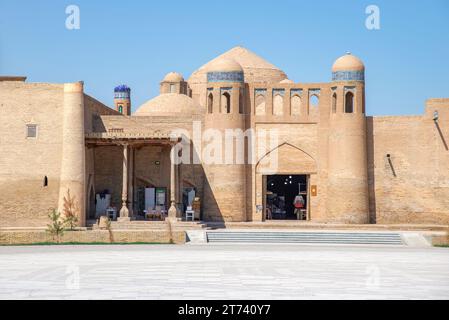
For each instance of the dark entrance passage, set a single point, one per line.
(282, 192)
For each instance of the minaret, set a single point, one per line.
(122, 99)
(225, 185)
(73, 168)
(348, 199)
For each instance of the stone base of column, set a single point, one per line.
(123, 219)
(172, 212)
(124, 212)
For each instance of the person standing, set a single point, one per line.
(299, 205)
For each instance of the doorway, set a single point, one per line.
(282, 195)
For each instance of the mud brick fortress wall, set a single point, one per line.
(364, 169)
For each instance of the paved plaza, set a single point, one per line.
(223, 272)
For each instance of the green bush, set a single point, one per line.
(57, 225)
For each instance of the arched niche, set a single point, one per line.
(260, 105)
(278, 105)
(295, 104)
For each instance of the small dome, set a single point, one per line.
(173, 77)
(348, 62)
(225, 65)
(169, 104)
(286, 81)
(122, 88)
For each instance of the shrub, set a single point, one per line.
(56, 226)
(70, 211)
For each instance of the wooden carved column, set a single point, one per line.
(172, 212)
(124, 212)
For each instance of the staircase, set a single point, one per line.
(304, 237)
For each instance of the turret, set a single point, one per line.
(173, 82)
(122, 99)
(225, 189)
(348, 200)
(72, 178)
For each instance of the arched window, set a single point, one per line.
(226, 103)
(210, 102)
(314, 100)
(172, 88)
(260, 105)
(334, 103)
(278, 105)
(45, 181)
(120, 109)
(295, 105)
(241, 103)
(349, 102)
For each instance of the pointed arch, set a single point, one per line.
(260, 105)
(145, 182)
(349, 102)
(286, 159)
(334, 103)
(295, 105)
(278, 105)
(241, 102)
(314, 100)
(210, 102)
(226, 103)
(188, 184)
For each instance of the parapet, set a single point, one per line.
(437, 102)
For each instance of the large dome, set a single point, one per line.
(255, 68)
(169, 104)
(348, 62)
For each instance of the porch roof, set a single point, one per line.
(113, 137)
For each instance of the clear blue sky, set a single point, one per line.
(138, 42)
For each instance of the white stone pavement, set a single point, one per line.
(235, 271)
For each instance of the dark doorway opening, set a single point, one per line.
(282, 193)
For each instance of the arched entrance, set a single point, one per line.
(283, 178)
(287, 197)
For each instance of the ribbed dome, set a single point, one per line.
(173, 77)
(169, 104)
(225, 65)
(348, 62)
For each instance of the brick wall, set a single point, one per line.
(103, 236)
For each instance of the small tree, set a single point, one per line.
(70, 211)
(56, 226)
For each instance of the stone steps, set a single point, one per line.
(309, 225)
(304, 237)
